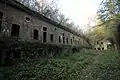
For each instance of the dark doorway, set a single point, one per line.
(63, 38)
(71, 41)
(44, 34)
(59, 39)
(98, 48)
(44, 37)
(101, 42)
(51, 37)
(67, 40)
(0, 24)
(97, 42)
(1, 15)
(35, 34)
(15, 30)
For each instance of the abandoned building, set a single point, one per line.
(103, 45)
(18, 21)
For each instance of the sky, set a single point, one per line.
(79, 10)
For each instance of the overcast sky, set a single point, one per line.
(79, 10)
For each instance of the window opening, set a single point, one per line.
(55, 29)
(97, 42)
(67, 40)
(51, 37)
(44, 37)
(44, 29)
(63, 34)
(63, 38)
(15, 30)
(1, 15)
(0, 25)
(35, 34)
(27, 19)
(98, 48)
(71, 41)
(59, 39)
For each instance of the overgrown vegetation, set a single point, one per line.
(109, 16)
(85, 65)
(107, 23)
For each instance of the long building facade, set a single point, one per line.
(25, 25)
(16, 20)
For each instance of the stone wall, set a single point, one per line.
(20, 26)
(28, 23)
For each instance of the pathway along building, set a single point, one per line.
(16, 20)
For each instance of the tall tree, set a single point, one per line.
(109, 15)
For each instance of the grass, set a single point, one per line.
(85, 65)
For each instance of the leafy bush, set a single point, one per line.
(86, 65)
